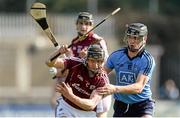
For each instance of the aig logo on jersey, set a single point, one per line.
(126, 78)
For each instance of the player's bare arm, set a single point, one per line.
(134, 88)
(86, 104)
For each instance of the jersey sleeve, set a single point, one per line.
(71, 62)
(103, 79)
(148, 66)
(109, 62)
(103, 44)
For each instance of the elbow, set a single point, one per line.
(90, 107)
(138, 90)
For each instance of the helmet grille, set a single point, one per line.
(96, 52)
(137, 29)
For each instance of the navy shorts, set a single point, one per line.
(133, 110)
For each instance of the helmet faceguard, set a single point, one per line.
(95, 51)
(137, 30)
(97, 54)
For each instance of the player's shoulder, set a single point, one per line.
(97, 37)
(77, 59)
(119, 51)
(98, 40)
(74, 39)
(148, 56)
(146, 52)
(75, 63)
(103, 75)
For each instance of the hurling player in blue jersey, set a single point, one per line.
(133, 66)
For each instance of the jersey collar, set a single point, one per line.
(138, 55)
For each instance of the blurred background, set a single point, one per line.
(25, 83)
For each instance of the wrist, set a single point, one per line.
(116, 90)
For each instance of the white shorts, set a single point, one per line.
(63, 109)
(104, 105)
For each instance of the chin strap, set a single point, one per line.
(140, 48)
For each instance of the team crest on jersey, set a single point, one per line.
(126, 77)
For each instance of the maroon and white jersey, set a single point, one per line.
(90, 39)
(79, 80)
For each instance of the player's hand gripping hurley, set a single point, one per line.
(38, 12)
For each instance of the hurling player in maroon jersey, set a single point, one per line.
(79, 89)
(84, 23)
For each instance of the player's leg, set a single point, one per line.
(144, 109)
(61, 110)
(54, 96)
(120, 109)
(65, 110)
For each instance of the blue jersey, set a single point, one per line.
(127, 70)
